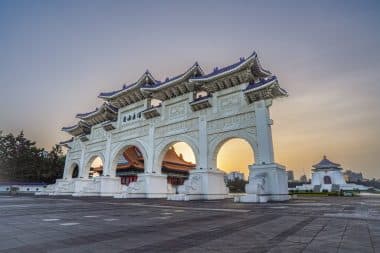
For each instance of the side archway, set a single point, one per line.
(89, 160)
(73, 170)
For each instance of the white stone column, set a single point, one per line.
(203, 144)
(82, 164)
(66, 169)
(107, 166)
(150, 151)
(264, 132)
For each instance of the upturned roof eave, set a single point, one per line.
(239, 65)
(177, 79)
(137, 84)
(107, 108)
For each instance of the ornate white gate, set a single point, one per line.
(203, 110)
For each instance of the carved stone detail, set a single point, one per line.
(177, 110)
(230, 123)
(177, 128)
(131, 133)
(98, 133)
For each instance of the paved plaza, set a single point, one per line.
(65, 224)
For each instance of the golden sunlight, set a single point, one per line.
(186, 151)
(97, 162)
(235, 155)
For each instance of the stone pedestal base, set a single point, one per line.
(109, 186)
(61, 187)
(146, 186)
(85, 187)
(64, 187)
(98, 186)
(202, 184)
(267, 182)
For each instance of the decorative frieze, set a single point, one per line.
(76, 145)
(99, 146)
(98, 133)
(232, 122)
(176, 128)
(131, 133)
(176, 111)
(229, 103)
(75, 155)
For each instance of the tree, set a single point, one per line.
(21, 160)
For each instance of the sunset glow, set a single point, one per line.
(325, 54)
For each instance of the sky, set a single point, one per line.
(57, 56)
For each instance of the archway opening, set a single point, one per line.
(178, 160)
(233, 157)
(75, 171)
(327, 180)
(129, 164)
(96, 167)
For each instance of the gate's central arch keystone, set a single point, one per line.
(203, 110)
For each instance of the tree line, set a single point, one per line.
(22, 161)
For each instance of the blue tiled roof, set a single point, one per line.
(69, 127)
(167, 80)
(83, 115)
(217, 70)
(75, 126)
(126, 87)
(111, 93)
(325, 164)
(87, 113)
(113, 108)
(262, 82)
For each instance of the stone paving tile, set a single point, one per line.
(286, 247)
(199, 238)
(153, 225)
(264, 235)
(90, 248)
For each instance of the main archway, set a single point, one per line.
(129, 161)
(178, 161)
